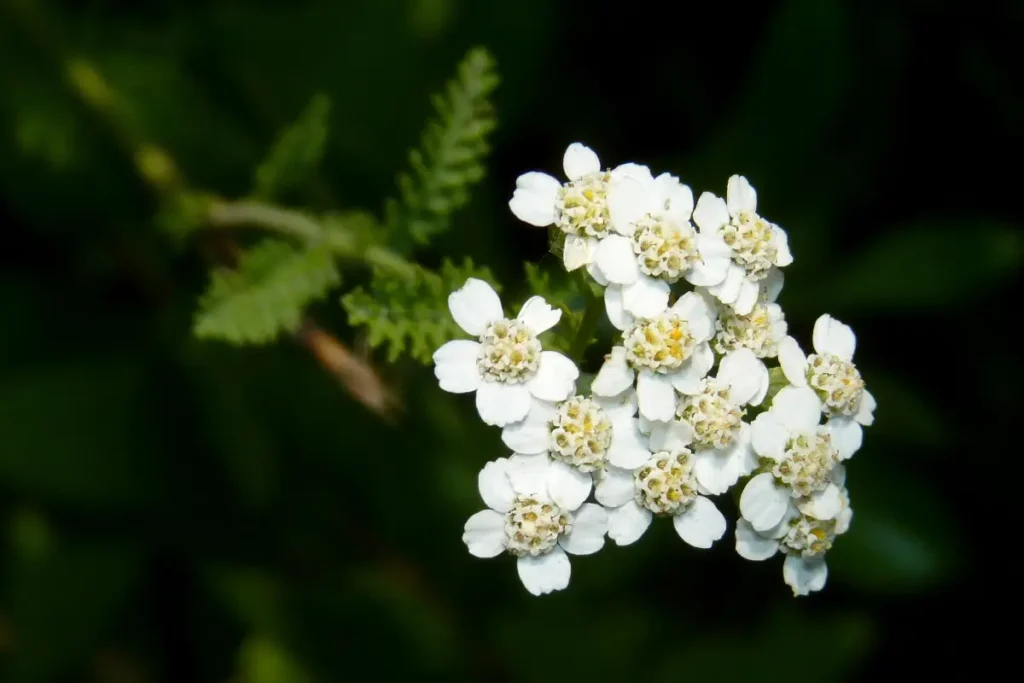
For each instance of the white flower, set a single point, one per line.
(721, 439)
(761, 330)
(538, 515)
(758, 247)
(507, 365)
(670, 352)
(654, 247)
(583, 433)
(665, 485)
(580, 207)
(803, 538)
(798, 460)
(830, 372)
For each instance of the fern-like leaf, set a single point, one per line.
(266, 293)
(410, 315)
(295, 153)
(450, 157)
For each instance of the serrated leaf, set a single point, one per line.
(410, 315)
(266, 294)
(296, 153)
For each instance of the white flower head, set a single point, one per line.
(798, 457)
(761, 330)
(584, 433)
(803, 538)
(507, 365)
(655, 245)
(536, 514)
(721, 439)
(757, 247)
(579, 208)
(830, 372)
(664, 353)
(664, 485)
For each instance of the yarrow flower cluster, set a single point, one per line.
(684, 407)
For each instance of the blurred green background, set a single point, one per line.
(176, 510)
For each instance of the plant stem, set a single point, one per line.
(591, 318)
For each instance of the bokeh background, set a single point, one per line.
(176, 510)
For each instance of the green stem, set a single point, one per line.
(591, 318)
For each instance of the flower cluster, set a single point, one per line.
(684, 407)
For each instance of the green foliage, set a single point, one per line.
(410, 314)
(296, 152)
(263, 660)
(450, 157)
(265, 295)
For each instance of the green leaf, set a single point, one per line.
(450, 157)
(264, 660)
(928, 265)
(410, 314)
(265, 295)
(296, 153)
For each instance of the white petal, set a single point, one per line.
(592, 268)
(655, 395)
(832, 336)
(474, 306)
(824, 505)
(579, 160)
(763, 503)
(768, 436)
(534, 199)
(747, 297)
(698, 313)
(567, 486)
(501, 404)
(555, 379)
(484, 534)
(530, 475)
(744, 373)
(797, 408)
(672, 197)
(578, 251)
(804, 575)
(711, 212)
(772, 285)
(847, 435)
(538, 315)
(783, 256)
(687, 378)
(545, 573)
(455, 366)
(617, 314)
(646, 297)
(740, 195)
(671, 436)
(715, 470)
(728, 290)
(701, 525)
(532, 434)
(866, 411)
(615, 257)
(627, 448)
(588, 529)
(627, 203)
(751, 545)
(614, 487)
(626, 524)
(638, 172)
(715, 259)
(615, 376)
(793, 361)
(621, 406)
(495, 486)
(743, 451)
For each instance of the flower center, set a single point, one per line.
(581, 434)
(838, 383)
(666, 485)
(752, 239)
(532, 527)
(582, 206)
(661, 344)
(808, 536)
(752, 331)
(664, 249)
(509, 352)
(714, 418)
(808, 460)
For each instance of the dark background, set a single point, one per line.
(176, 510)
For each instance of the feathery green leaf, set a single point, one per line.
(296, 152)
